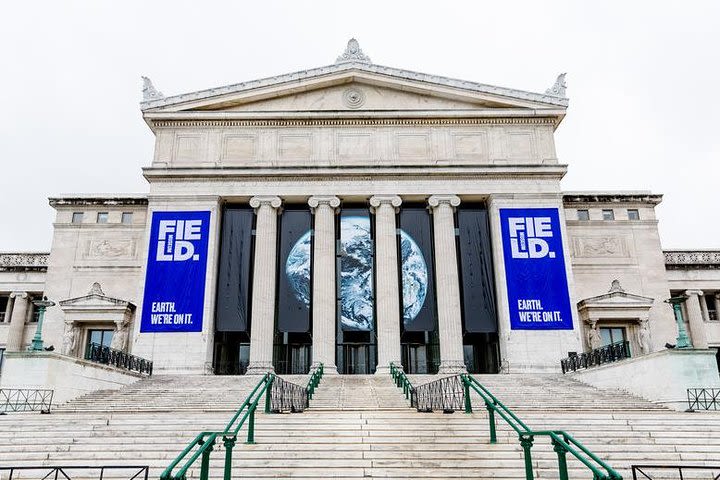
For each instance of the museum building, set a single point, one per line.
(357, 215)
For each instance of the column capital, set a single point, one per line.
(437, 200)
(329, 200)
(392, 200)
(271, 201)
(19, 295)
(690, 293)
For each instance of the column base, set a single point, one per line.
(385, 369)
(328, 369)
(452, 367)
(260, 368)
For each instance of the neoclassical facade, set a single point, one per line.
(357, 215)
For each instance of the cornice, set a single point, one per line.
(370, 172)
(109, 200)
(23, 261)
(692, 259)
(360, 67)
(643, 197)
(223, 121)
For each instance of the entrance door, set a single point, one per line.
(357, 359)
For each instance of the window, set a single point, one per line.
(127, 217)
(100, 337)
(612, 335)
(608, 214)
(4, 300)
(583, 214)
(102, 217)
(77, 217)
(2, 354)
(633, 214)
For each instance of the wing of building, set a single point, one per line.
(357, 215)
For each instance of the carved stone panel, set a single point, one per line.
(600, 246)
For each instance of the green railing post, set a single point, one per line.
(491, 421)
(468, 401)
(229, 444)
(526, 441)
(205, 462)
(562, 460)
(251, 425)
(268, 392)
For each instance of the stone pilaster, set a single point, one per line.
(17, 321)
(262, 327)
(323, 274)
(447, 284)
(695, 319)
(387, 281)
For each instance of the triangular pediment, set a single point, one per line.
(355, 87)
(95, 300)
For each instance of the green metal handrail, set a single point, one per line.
(314, 380)
(402, 381)
(203, 444)
(563, 443)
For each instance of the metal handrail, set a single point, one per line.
(563, 443)
(23, 400)
(314, 380)
(638, 469)
(606, 354)
(55, 472)
(109, 356)
(202, 445)
(205, 441)
(703, 399)
(402, 381)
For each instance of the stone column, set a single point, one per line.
(8, 309)
(17, 321)
(447, 284)
(387, 281)
(323, 275)
(262, 323)
(704, 308)
(697, 326)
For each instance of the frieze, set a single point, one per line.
(111, 249)
(692, 259)
(24, 261)
(325, 122)
(595, 247)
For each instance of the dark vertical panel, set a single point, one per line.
(356, 271)
(294, 280)
(478, 282)
(233, 296)
(416, 266)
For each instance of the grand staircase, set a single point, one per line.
(358, 426)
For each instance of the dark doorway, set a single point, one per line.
(232, 353)
(292, 353)
(482, 352)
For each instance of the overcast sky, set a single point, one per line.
(643, 81)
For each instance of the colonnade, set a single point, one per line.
(388, 286)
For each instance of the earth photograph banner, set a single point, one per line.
(537, 284)
(175, 278)
(294, 271)
(356, 271)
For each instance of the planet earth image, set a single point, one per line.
(297, 268)
(356, 274)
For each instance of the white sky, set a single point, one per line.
(643, 79)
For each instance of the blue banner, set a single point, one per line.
(176, 268)
(537, 283)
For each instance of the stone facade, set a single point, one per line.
(359, 133)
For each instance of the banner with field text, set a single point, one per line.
(537, 284)
(176, 269)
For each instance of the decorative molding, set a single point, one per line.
(680, 259)
(24, 261)
(353, 53)
(436, 200)
(316, 201)
(615, 287)
(149, 91)
(342, 122)
(392, 200)
(559, 87)
(98, 201)
(611, 197)
(353, 98)
(355, 65)
(597, 247)
(271, 201)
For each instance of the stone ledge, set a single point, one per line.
(662, 377)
